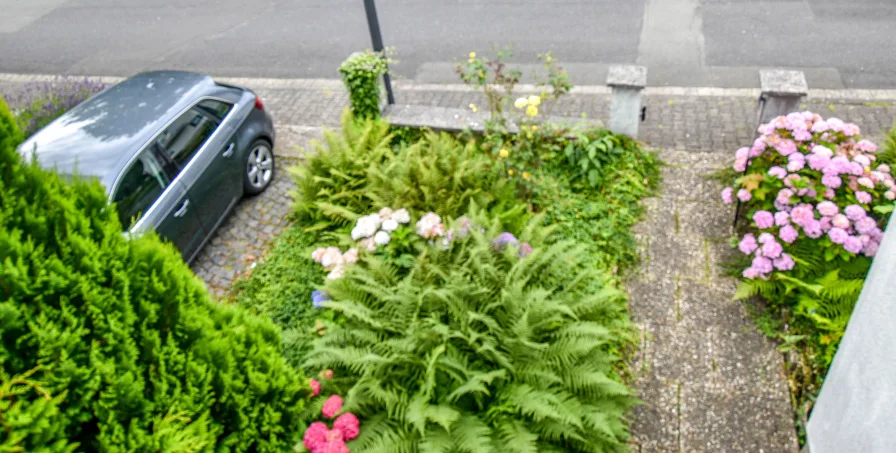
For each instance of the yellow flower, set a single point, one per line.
(510, 172)
(534, 128)
(520, 103)
(474, 108)
(532, 110)
(504, 153)
(534, 100)
(526, 175)
(472, 55)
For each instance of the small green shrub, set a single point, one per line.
(361, 73)
(281, 287)
(478, 350)
(112, 344)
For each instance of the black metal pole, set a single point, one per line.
(374, 24)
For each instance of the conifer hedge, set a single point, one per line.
(112, 344)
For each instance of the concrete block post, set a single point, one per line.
(627, 84)
(782, 93)
(856, 409)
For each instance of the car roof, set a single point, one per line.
(100, 136)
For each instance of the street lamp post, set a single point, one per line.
(374, 25)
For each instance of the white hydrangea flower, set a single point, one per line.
(366, 226)
(390, 225)
(368, 244)
(351, 256)
(521, 102)
(337, 272)
(318, 254)
(401, 216)
(385, 214)
(381, 238)
(332, 257)
(430, 226)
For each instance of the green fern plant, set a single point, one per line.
(477, 350)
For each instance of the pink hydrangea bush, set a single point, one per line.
(809, 179)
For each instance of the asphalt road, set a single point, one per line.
(839, 43)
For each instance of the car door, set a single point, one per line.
(147, 199)
(201, 147)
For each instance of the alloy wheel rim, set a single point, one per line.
(260, 166)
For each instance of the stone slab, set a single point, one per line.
(783, 82)
(627, 76)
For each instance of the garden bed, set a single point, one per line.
(461, 290)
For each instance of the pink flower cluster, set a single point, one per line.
(333, 260)
(816, 179)
(318, 437)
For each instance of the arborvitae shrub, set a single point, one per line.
(109, 343)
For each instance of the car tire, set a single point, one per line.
(259, 167)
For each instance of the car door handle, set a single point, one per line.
(183, 209)
(229, 151)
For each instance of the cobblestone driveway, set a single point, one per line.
(246, 234)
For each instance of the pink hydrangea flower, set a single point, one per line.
(813, 229)
(788, 234)
(349, 425)
(829, 194)
(740, 164)
(863, 197)
(855, 212)
(742, 153)
(764, 219)
(750, 273)
(772, 249)
(332, 406)
(758, 147)
(818, 162)
(782, 218)
(778, 172)
(784, 262)
(315, 436)
(784, 196)
(326, 374)
(765, 238)
(802, 135)
(853, 245)
(838, 235)
(762, 265)
(890, 195)
(865, 225)
(748, 244)
(827, 208)
(820, 126)
(826, 223)
(727, 195)
(865, 182)
(334, 446)
(744, 195)
(883, 168)
(315, 387)
(802, 214)
(796, 162)
(790, 179)
(867, 146)
(831, 181)
(840, 221)
(862, 160)
(856, 169)
(786, 147)
(871, 249)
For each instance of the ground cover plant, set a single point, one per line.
(816, 198)
(460, 293)
(110, 343)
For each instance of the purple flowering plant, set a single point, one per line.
(39, 103)
(809, 180)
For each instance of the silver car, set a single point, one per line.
(175, 151)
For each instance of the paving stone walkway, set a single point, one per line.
(709, 381)
(246, 234)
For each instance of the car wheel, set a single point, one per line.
(259, 170)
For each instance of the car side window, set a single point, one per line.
(218, 109)
(184, 137)
(140, 186)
